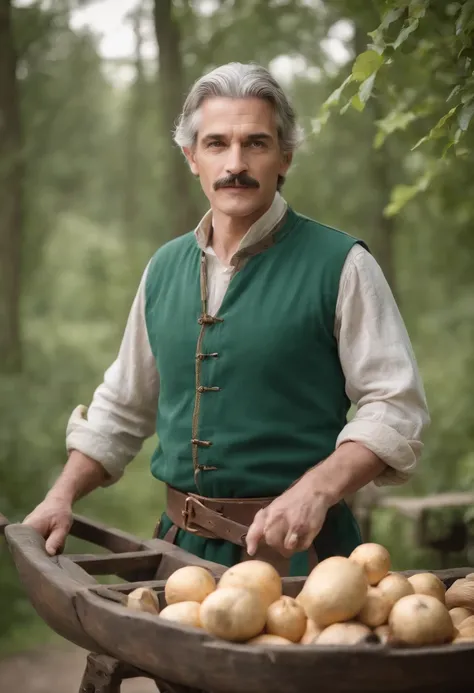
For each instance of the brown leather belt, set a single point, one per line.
(223, 518)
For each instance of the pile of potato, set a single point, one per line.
(344, 601)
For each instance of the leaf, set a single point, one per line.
(421, 141)
(319, 122)
(453, 8)
(404, 193)
(436, 130)
(379, 139)
(345, 108)
(442, 121)
(446, 149)
(388, 18)
(395, 120)
(417, 8)
(334, 98)
(357, 103)
(464, 16)
(465, 116)
(401, 195)
(366, 64)
(366, 87)
(453, 141)
(391, 16)
(408, 29)
(454, 91)
(466, 98)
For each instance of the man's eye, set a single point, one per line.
(215, 143)
(258, 144)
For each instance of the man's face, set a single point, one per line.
(237, 155)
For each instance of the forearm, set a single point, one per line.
(347, 470)
(291, 522)
(81, 475)
(382, 377)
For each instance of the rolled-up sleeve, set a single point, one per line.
(382, 376)
(123, 410)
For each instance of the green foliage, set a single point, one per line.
(397, 123)
(415, 38)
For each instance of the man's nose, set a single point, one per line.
(236, 162)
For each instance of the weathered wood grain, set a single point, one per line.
(131, 565)
(175, 558)
(109, 538)
(193, 658)
(413, 507)
(71, 602)
(448, 576)
(51, 583)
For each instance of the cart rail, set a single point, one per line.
(66, 594)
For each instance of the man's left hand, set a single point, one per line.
(291, 522)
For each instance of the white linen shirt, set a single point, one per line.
(382, 377)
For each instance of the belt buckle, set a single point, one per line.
(187, 515)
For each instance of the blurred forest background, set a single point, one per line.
(91, 185)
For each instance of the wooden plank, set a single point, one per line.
(74, 571)
(448, 576)
(117, 541)
(126, 564)
(413, 507)
(49, 584)
(292, 585)
(109, 538)
(127, 587)
(177, 558)
(193, 658)
(119, 596)
(112, 595)
(105, 674)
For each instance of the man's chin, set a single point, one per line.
(238, 210)
(237, 205)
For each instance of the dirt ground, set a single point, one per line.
(53, 670)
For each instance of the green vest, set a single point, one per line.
(250, 402)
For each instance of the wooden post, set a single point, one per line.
(105, 674)
(102, 675)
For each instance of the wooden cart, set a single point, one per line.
(125, 643)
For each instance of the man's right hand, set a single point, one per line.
(52, 519)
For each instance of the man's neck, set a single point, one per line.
(228, 232)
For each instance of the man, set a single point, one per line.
(246, 342)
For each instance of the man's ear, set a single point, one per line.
(189, 154)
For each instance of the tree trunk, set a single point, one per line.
(134, 113)
(11, 184)
(182, 211)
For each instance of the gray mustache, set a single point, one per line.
(236, 179)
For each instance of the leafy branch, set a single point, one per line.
(411, 34)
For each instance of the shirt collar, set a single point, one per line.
(256, 232)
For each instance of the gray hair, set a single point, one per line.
(238, 81)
